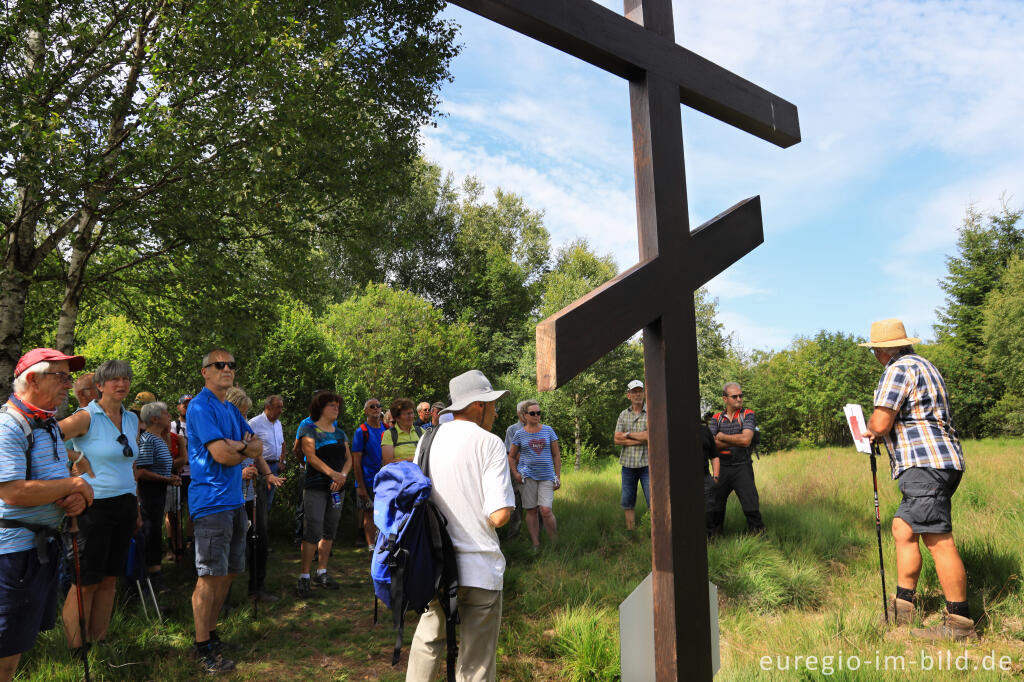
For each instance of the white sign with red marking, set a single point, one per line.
(858, 427)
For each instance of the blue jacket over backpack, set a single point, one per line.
(413, 560)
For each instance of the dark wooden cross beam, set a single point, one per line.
(657, 294)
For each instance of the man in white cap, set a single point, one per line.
(631, 434)
(912, 416)
(473, 489)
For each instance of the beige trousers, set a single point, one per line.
(479, 616)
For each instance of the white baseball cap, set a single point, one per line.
(635, 383)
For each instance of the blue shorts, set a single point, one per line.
(630, 477)
(28, 598)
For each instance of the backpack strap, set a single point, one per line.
(394, 436)
(419, 431)
(28, 430)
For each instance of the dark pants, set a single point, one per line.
(299, 521)
(275, 467)
(711, 523)
(515, 521)
(257, 540)
(738, 477)
(152, 498)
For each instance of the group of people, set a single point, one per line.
(111, 471)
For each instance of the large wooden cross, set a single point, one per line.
(657, 293)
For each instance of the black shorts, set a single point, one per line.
(105, 531)
(28, 598)
(926, 498)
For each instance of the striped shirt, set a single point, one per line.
(535, 456)
(923, 433)
(154, 454)
(47, 464)
(632, 456)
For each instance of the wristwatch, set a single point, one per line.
(242, 449)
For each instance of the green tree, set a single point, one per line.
(1003, 315)
(133, 130)
(985, 246)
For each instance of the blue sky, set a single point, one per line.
(909, 113)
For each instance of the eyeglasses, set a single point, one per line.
(534, 414)
(736, 395)
(63, 377)
(374, 407)
(221, 364)
(126, 449)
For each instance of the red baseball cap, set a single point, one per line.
(37, 355)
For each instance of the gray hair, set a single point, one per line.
(111, 369)
(236, 396)
(521, 407)
(726, 385)
(151, 411)
(21, 381)
(206, 358)
(270, 399)
(368, 401)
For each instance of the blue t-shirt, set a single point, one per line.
(114, 475)
(154, 455)
(330, 449)
(215, 487)
(535, 453)
(47, 465)
(372, 457)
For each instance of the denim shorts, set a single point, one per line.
(630, 477)
(926, 498)
(220, 543)
(28, 598)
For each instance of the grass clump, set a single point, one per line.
(586, 639)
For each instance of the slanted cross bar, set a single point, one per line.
(657, 293)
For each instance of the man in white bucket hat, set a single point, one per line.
(473, 489)
(912, 415)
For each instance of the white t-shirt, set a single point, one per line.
(469, 470)
(271, 433)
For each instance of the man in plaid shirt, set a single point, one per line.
(631, 434)
(912, 416)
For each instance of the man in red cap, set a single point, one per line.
(36, 492)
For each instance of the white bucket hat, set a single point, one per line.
(470, 387)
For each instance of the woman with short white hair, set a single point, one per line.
(106, 435)
(154, 473)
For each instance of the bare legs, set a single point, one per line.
(948, 564)
(98, 602)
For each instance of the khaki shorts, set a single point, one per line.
(538, 493)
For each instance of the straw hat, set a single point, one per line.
(889, 334)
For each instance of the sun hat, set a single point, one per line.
(185, 398)
(889, 334)
(635, 383)
(470, 387)
(143, 398)
(37, 355)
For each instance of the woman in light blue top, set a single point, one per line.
(536, 462)
(103, 438)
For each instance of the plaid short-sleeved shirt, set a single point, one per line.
(923, 433)
(632, 456)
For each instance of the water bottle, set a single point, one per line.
(336, 499)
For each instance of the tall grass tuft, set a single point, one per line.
(587, 641)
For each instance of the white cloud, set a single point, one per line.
(728, 286)
(750, 334)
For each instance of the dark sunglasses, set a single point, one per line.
(736, 395)
(374, 407)
(126, 448)
(221, 364)
(534, 414)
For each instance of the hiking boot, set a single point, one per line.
(325, 581)
(214, 663)
(262, 596)
(951, 627)
(901, 612)
(303, 590)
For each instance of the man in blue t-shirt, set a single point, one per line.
(366, 462)
(219, 440)
(36, 493)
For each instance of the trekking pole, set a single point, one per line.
(255, 541)
(878, 530)
(78, 594)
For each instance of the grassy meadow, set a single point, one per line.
(808, 587)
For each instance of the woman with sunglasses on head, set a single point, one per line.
(536, 461)
(104, 434)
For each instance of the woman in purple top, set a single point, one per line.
(536, 461)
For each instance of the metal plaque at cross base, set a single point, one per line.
(657, 293)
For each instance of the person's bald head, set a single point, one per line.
(85, 389)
